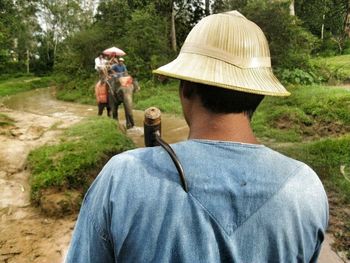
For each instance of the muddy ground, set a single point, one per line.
(26, 233)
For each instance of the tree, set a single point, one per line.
(61, 19)
(325, 19)
(290, 44)
(17, 33)
(292, 8)
(147, 43)
(228, 5)
(347, 20)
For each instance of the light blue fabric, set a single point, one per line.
(246, 203)
(119, 68)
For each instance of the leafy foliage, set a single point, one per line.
(290, 44)
(147, 42)
(298, 76)
(329, 15)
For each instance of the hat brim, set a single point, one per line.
(210, 71)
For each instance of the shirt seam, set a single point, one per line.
(97, 228)
(229, 143)
(208, 212)
(267, 201)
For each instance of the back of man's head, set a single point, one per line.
(222, 101)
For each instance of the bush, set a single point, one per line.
(346, 48)
(298, 76)
(11, 67)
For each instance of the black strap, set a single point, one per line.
(176, 161)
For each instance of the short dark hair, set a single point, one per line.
(220, 100)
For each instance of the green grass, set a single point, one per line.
(336, 62)
(77, 90)
(82, 151)
(20, 84)
(165, 97)
(310, 112)
(333, 68)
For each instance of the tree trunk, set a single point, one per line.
(291, 8)
(347, 20)
(27, 62)
(173, 32)
(207, 7)
(322, 27)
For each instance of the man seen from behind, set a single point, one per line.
(245, 203)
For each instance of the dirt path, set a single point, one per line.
(26, 234)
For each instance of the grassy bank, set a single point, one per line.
(163, 96)
(73, 162)
(310, 113)
(333, 69)
(25, 83)
(330, 158)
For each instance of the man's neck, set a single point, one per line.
(223, 127)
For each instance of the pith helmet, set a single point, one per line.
(229, 51)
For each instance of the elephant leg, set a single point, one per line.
(128, 110)
(113, 106)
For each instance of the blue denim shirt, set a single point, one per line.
(246, 203)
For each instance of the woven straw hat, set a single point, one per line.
(229, 51)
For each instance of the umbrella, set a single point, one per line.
(114, 51)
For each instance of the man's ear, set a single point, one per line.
(188, 89)
(181, 89)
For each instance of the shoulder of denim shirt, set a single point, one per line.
(305, 190)
(138, 162)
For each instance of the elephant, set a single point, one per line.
(121, 90)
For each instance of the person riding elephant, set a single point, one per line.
(121, 90)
